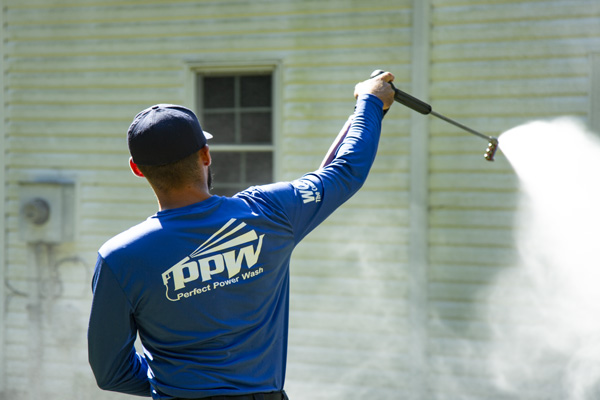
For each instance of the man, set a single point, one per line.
(205, 281)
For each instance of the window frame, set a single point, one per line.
(195, 70)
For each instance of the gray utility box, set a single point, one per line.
(47, 212)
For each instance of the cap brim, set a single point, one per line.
(207, 135)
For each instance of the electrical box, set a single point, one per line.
(47, 212)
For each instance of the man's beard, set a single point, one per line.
(209, 179)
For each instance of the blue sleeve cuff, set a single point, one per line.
(371, 98)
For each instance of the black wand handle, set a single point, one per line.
(405, 98)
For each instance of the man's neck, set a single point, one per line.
(181, 198)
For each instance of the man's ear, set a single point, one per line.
(134, 168)
(205, 156)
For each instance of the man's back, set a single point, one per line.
(206, 285)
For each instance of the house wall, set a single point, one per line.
(387, 294)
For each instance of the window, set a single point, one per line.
(238, 110)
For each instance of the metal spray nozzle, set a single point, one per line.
(490, 152)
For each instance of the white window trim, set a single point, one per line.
(418, 195)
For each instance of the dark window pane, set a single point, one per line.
(259, 167)
(218, 92)
(256, 91)
(256, 127)
(221, 126)
(226, 167)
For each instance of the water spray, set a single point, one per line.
(424, 108)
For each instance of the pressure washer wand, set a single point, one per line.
(424, 108)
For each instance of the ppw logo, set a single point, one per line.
(219, 254)
(308, 191)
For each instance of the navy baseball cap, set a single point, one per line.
(163, 134)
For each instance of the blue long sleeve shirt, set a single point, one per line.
(206, 286)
